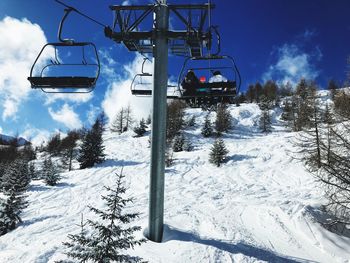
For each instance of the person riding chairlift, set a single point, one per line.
(217, 77)
(189, 83)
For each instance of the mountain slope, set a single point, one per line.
(258, 207)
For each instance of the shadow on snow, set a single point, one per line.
(171, 233)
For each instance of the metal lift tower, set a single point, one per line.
(158, 41)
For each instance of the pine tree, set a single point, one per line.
(10, 210)
(265, 118)
(16, 177)
(265, 121)
(92, 149)
(32, 173)
(207, 129)
(149, 120)
(54, 145)
(68, 146)
(140, 130)
(250, 94)
(223, 119)
(191, 122)
(78, 247)
(187, 146)
(178, 143)
(109, 236)
(50, 173)
(218, 152)
(175, 119)
(333, 87)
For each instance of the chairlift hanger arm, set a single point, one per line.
(80, 13)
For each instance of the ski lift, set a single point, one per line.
(219, 82)
(141, 84)
(66, 66)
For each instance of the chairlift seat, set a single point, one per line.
(214, 89)
(141, 92)
(62, 82)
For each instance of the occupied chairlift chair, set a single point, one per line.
(50, 78)
(203, 92)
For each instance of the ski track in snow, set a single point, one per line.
(253, 209)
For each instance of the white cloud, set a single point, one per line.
(293, 64)
(71, 97)
(66, 116)
(119, 95)
(20, 43)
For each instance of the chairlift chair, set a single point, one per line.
(52, 77)
(142, 84)
(61, 73)
(203, 92)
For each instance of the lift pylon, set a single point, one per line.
(139, 31)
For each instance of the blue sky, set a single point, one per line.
(282, 40)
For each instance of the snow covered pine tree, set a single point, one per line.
(218, 153)
(108, 237)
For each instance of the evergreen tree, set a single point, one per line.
(265, 118)
(68, 146)
(223, 119)
(79, 248)
(109, 238)
(188, 146)
(175, 119)
(32, 173)
(191, 122)
(270, 90)
(265, 121)
(140, 130)
(149, 120)
(92, 149)
(50, 173)
(250, 94)
(258, 91)
(285, 90)
(10, 210)
(218, 152)
(207, 129)
(54, 144)
(333, 87)
(16, 177)
(341, 104)
(178, 143)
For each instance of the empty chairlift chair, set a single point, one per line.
(66, 67)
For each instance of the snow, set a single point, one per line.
(260, 206)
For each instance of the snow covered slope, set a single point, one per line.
(258, 207)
